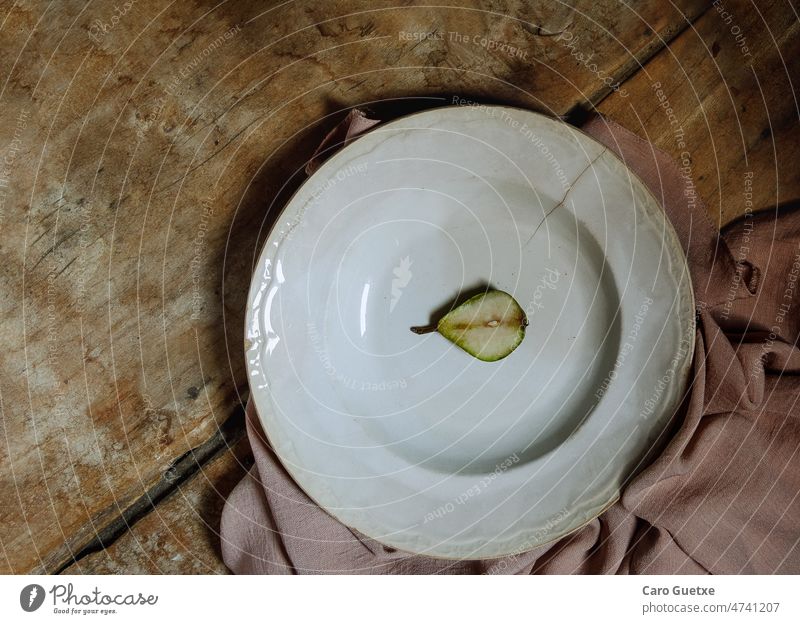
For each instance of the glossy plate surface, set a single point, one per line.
(407, 438)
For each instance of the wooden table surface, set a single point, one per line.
(145, 148)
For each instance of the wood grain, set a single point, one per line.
(181, 535)
(730, 82)
(150, 154)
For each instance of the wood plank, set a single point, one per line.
(181, 535)
(731, 83)
(155, 151)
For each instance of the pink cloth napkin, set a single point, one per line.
(723, 496)
(351, 127)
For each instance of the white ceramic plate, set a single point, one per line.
(407, 438)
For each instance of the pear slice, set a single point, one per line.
(488, 326)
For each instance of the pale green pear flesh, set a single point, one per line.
(489, 326)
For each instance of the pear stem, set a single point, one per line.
(424, 329)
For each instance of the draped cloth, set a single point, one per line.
(723, 497)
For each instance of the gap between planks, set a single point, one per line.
(180, 471)
(582, 110)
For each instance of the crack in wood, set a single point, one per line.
(180, 471)
(581, 111)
